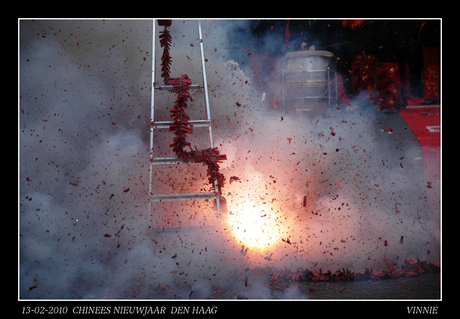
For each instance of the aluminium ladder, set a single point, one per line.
(165, 125)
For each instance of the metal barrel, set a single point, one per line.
(309, 78)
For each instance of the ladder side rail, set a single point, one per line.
(152, 91)
(205, 84)
(152, 116)
(208, 109)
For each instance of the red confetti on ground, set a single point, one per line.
(408, 268)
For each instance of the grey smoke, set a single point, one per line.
(84, 124)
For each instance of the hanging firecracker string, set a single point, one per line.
(165, 42)
(211, 157)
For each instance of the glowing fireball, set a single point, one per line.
(254, 226)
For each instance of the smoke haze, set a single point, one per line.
(85, 231)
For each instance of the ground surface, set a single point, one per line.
(419, 287)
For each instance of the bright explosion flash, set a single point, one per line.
(254, 227)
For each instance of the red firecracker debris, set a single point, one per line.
(408, 268)
(234, 179)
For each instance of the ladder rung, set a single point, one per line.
(189, 196)
(171, 87)
(167, 124)
(176, 160)
(166, 160)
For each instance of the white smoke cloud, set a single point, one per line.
(84, 121)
